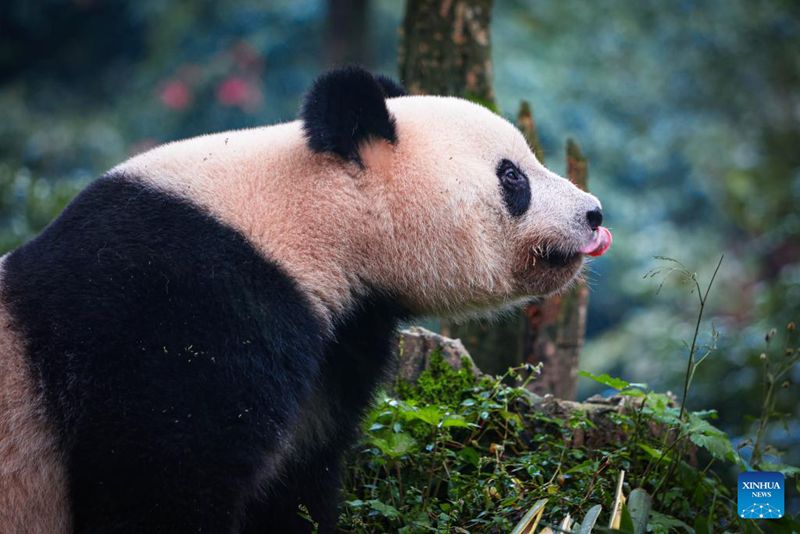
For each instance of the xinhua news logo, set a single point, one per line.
(761, 495)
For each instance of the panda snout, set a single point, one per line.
(595, 218)
(601, 238)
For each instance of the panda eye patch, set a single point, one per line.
(515, 187)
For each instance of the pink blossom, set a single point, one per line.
(175, 95)
(234, 91)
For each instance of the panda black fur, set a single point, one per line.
(198, 369)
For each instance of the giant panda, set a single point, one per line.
(189, 346)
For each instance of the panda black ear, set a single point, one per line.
(345, 108)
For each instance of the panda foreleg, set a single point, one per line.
(354, 364)
(304, 497)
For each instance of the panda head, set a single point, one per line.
(459, 214)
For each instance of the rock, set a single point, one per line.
(417, 344)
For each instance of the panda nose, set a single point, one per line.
(595, 218)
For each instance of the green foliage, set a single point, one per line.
(440, 384)
(452, 453)
(776, 366)
(27, 203)
(455, 453)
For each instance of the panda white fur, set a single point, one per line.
(189, 346)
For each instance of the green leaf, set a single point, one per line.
(590, 519)
(530, 519)
(654, 453)
(386, 510)
(470, 456)
(454, 420)
(715, 441)
(511, 416)
(718, 446)
(626, 522)
(588, 465)
(640, 504)
(428, 414)
(606, 380)
(396, 445)
(633, 392)
(701, 525)
(667, 523)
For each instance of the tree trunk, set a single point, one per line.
(445, 49)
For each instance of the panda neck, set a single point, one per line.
(328, 290)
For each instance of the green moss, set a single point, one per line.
(439, 384)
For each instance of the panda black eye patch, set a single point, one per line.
(515, 187)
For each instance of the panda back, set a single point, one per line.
(147, 321)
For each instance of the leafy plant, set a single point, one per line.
(775, 369)
(479, 456)
(456, 453)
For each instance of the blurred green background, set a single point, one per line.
(689, 113)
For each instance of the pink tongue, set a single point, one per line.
(600, 243)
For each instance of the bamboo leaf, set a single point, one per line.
(529, 522)
(626, 522)
(590, 519)
(639, 504)
(566, 524)
(619, 502)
